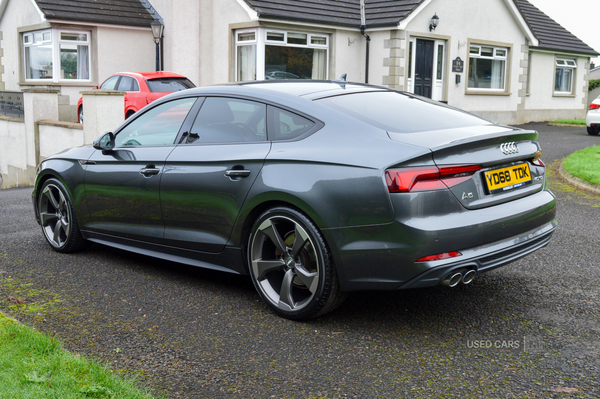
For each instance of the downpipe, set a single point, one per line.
(457, 277)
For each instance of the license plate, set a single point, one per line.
(508, 178)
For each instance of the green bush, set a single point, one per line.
(593, 84)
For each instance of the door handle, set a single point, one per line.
(233, 173)
(149, 171)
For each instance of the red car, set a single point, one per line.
(142, 88)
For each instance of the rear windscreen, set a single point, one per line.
(401, 113)
(169, 85)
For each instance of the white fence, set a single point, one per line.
(25, 142)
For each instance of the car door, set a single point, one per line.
(122, 185)
(207, 177)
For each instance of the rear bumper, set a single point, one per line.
(383, 257)
(485, 258)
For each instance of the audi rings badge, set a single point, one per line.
(509, 148)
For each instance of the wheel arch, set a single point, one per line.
(252, 211)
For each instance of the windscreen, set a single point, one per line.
(169, 85)
(400, 113)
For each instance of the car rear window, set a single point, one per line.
(401, 113)
(169, 85)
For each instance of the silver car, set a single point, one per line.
(312, 188)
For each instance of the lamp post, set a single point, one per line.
(157, 33)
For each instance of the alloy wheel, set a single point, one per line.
(55, 216)
(285, 264)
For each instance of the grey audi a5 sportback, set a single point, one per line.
(312, 188)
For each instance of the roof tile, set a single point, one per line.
(114, 12)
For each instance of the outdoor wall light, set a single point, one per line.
(157, 33)
(435, 20)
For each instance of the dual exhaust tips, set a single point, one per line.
(459, 276)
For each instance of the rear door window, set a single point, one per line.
(128, 83)
(229, 120)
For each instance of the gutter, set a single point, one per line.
(363, 26)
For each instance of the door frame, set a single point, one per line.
(438, 86)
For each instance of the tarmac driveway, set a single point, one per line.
(530, 328)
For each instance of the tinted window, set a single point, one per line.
(226, 120)
(128, 83)
(169, 85)
(158, 126)
(400, 113)
(110, 83)
(285, 125)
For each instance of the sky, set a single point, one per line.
(576, 16)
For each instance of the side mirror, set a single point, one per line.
(106, 142)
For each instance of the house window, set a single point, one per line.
(274, 54)
(56, 55)
(74, 55)
(565, 71)
(38, 55)
(487, 67)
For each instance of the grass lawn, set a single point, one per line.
(584, 164)
(570, 121)
(33, 365)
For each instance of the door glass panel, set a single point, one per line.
(158, 126)
(440, 61)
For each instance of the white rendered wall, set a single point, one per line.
(487, 21)
(56, 138)
(543, 70)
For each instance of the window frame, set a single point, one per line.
(573, 68)
(497, 48)
(27, 39)
(261, 40)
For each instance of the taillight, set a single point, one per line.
(537, 159)
(594, 106)
(427, 177)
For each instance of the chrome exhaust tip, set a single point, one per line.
(468, 276)
(452, 280)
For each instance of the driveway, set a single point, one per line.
(530, 328)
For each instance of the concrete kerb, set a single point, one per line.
(577, 182)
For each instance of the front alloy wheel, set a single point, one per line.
(57, 219)
(290, 265)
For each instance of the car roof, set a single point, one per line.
(152, 75)
(309, 89)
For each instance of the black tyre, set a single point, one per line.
(593, 131)
(58, 218)
(291, 267)
(80, 112)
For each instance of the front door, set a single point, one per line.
(122, 185)
(424, 67)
